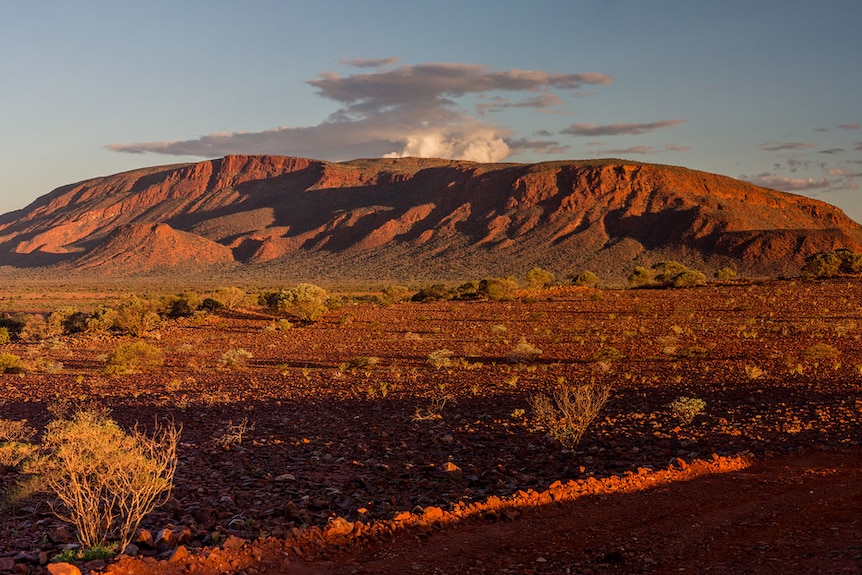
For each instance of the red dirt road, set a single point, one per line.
(799, 515)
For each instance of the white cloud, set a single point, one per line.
(405, 111)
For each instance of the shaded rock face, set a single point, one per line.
(412, 217)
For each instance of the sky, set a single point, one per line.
(762, 90)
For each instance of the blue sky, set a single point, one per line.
(767, 91)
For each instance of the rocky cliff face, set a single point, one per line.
(413, 218)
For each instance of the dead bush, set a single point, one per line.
(107, 480)
(570, 411)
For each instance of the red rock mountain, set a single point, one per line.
(409, 218)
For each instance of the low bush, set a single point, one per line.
(440, 358)
(686, 408)
(11, 363)
(539, 278)
(641, 277)
(230, 297)
(306, 302)
(523, 352)
(393, 294)
(137, 316)
(435, 292)
(133, 357)
(234, 359)
(497, 288)
(725, 274)
(832, 264)
(666, 274)
(586, 278)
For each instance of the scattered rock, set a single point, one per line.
(63, 569)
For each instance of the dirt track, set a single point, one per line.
(799, 515)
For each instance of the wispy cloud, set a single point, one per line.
(784, 146)
(370, 62)
(787, 184)
(536, 146)
(498, 103)
(409, 110)
(832, 151)
(640, 150)
(849, 126)
(858, 147)
(617, 129)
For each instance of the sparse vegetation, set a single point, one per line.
(831, 264)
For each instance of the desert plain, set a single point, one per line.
(402, 438)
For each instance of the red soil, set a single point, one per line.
(337, 475)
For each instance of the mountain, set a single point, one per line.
(410, 218)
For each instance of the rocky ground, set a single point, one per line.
(338, 447)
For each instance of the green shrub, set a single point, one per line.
(10, 363)
(725, 274)
(234, 359)
(305, 301)
(102, 319)
(181, 305)
(688, 278)
(137, 316)
(666, 274)
(641, 277)
(133, 357)
(831, 264)
(498, 288)
(60, 320)
(666, 271)
(393, 294)
(586, 278)
(539, 278)
(230, 297)
(435, 292)
(13, 324)
(687, 408)
(468, 290)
